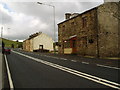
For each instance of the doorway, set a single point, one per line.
(40, 47)
(73, 45)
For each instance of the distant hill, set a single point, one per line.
(12, 44)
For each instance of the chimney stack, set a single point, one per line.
(67, 15)
(74, 14)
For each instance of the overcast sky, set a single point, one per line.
(20, 19)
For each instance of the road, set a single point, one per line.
(30, 70)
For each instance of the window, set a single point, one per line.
(84, 22)
(84, 41)
(91, 41)
(64, 28)
(72, 24)
(74, 43)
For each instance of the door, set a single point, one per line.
(73, 45)
(40, 47)
(74, 50)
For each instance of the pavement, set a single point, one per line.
(108, 61)
(0, 70)
(0, 64)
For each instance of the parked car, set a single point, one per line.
(6, 50)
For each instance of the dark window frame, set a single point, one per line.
(63, 27)
(84, 22)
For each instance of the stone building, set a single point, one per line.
(38, 42)
(26, 45)
(95, 32)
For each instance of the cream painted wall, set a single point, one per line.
(31, 45)
(67, 50)
(44, 40)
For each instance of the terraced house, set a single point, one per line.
(95, 32)
(38, 42)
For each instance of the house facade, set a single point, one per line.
(38, 41)
(95, 32)
(26, 45)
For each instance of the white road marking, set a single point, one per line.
(73, 60)
(63, 58)
(47, 56)
(44, 55)
(77, 73)
(108, 66)
(51, 56)
(55, 57)
(85, 62)
(9, 75)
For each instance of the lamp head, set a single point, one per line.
(39, 3)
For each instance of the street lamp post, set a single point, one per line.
(54, 18)
(2, 37)
(1, 32)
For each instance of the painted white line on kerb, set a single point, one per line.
(8, 72)
(108, 66)
(77, 73)
(85, 62)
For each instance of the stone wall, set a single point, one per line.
(74, 26)
(108, 24)
(26, 45)
(100, 36)
(119, 29)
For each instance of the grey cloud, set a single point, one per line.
(45, 15)
(5, 18)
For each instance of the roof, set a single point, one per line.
(72, 36)
(34, 35)
(78, 15)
